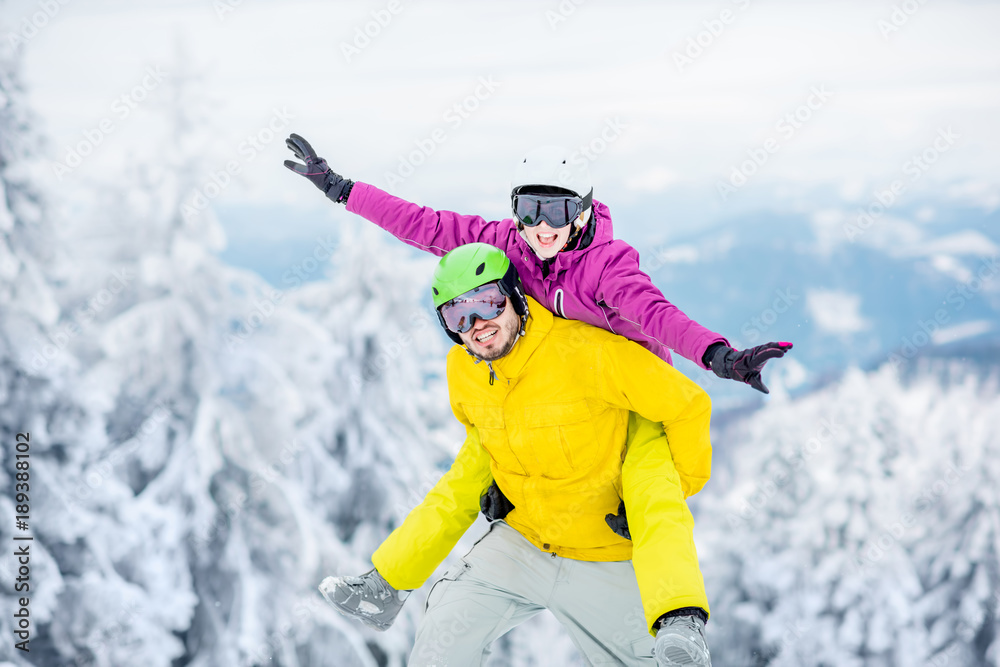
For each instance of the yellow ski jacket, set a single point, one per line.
(551, 430)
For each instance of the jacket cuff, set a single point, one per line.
(357, 198)
(706, 356)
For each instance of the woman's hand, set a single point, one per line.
(333, 185)
(744, 365)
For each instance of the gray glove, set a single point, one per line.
(494, 504)
(743, 365)
(333, 185)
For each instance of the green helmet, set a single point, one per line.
(470, 266)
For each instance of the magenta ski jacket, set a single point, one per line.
(601, 284)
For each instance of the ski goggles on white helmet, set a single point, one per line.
(481, 303)
(556, 210)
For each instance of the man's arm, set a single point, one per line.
(633, 378)
(422, 227)
(412, 552)
(628, 291)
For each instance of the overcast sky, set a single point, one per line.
(671, 96)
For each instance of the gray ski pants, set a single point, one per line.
(505, 580)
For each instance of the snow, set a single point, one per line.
(835, 311)
(952, 267)
(967, 242)
(879, 544)
(888, 233)
(960, 331)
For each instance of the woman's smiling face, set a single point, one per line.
(546, 241)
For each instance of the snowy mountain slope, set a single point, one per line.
(860, 525)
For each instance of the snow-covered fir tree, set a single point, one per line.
(860, 525)
(205, 447)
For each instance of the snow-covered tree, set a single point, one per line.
(204, 447)
(860, 525)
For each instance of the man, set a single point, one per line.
(547, 404)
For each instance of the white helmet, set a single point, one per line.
(553, 166)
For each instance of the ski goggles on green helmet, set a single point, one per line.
(557, 210)
(483, 303)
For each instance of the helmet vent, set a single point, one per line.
(435, 291)
(480, 268)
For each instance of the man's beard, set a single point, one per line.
(512, 330)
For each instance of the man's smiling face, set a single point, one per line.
(491, 339)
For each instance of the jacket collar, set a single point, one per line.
(539, 324)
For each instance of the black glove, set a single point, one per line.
(335, 186)
(494, 503)
(619, 522)
(743, 365)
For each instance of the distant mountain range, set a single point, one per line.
(900, 290)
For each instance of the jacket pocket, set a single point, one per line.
(562, 437)
(454, 573)
(489, 419)
(484, 417)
